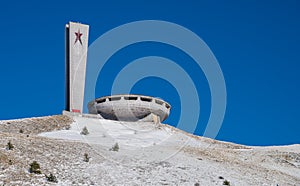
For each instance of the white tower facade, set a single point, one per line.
(76, 58)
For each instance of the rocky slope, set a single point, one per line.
(148, 154)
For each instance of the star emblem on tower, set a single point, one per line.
(78, 37)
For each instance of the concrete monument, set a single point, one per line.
(117, 107)
(129, 107)
(76, 57)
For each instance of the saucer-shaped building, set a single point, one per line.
(130, 107)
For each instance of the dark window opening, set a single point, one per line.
(130, 98)
(101, 100)
(146, 99)
(158, 102)
(114, 98)
(168, 106)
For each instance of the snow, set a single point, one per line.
(149, 154)
(130, 135)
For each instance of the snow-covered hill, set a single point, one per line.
(148, 154)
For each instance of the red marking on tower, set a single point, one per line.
(78, 37)
(76, 110)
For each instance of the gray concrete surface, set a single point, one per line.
(78, 45)
(129, 107)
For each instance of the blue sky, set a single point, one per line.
(256, 44)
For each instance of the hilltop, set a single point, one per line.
(147, 154)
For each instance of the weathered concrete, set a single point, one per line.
(72, 114)
(76, 57)
(130, 107)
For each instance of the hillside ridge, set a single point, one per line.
(148, 154)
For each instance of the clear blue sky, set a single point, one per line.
(255, 42)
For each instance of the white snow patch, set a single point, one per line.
(101, 131)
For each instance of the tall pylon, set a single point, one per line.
(76, 59)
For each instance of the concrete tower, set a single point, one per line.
(76, 57)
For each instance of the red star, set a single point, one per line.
(78, 37)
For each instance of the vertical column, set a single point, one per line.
(76, 58)
(67, 67)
